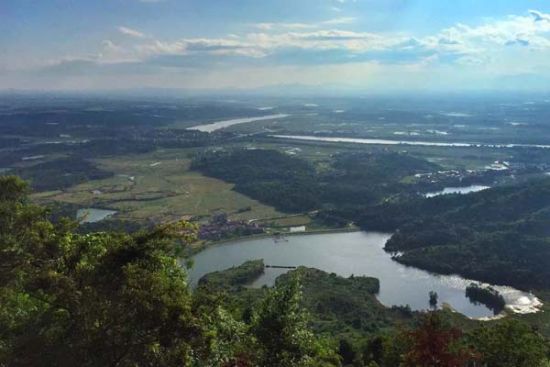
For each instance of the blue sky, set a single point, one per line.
(363, 45)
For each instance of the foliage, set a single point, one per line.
(341, 305)
(510, 343)
(294, 185)
(105, 299)
(434, 344)
(486, 295)
(96, 299)
(235, 276)
(499, 235)
(433, 299)
(61, 173)
(266, 175)
(280, 326)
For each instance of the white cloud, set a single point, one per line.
(131, 32)
(533, 29)
(339, 21)
(461, 43)
(279, 26)
(539, 16)
(514, 44)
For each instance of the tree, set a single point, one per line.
(509, 343)
(373, 351)
(99, 299)
(433, 299)
(434, 344)
(283, 337)
(346, 352)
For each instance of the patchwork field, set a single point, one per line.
(159, 187)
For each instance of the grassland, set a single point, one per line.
(159, 187)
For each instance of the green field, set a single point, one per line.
(159, 187)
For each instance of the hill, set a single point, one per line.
(500, 235)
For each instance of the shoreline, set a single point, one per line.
(208, 244)
(512, 307)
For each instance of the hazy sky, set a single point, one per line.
(371, 45)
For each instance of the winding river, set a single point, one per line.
(457, 190)
(358, 253)
(405, 142)
(208, 128)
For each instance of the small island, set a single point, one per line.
(488, 296)
(237, 276)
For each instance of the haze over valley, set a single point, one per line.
(293, 183)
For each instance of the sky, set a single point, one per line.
(353, 45)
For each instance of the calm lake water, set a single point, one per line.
(404, 142)
(359, 253)
(208, 128)
(92, 215)
(457, 190)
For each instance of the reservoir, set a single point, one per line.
(92, 215)
(358, 253)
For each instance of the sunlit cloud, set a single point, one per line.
(460, 43)
(510, 45)
(130, 32)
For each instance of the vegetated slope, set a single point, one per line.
(341, 305)
(106, 299)
(61, 173)
(236, 276)
(366, 333)
(292, 184)
(86, 300)
(337, 305)
(500, 235)
(269, 176)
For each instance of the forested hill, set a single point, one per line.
(291, 184)
(117, 299)
(500, 235)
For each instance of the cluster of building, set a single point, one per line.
(221, 227)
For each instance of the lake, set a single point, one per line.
(358, 253)
(92, 215)
(404, 142)
(457, 190)
(208, 128)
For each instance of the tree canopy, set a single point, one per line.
(118, 299)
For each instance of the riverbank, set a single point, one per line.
(348, 252)
(201, 246)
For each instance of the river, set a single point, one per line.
(208, 128)
(358, 253)
(457, 190)
(404, 142)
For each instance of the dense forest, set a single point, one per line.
(486, 295)
(47, 176)
(500, 235)
(291, 184)
(118, 299)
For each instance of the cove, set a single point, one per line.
(358, 253)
